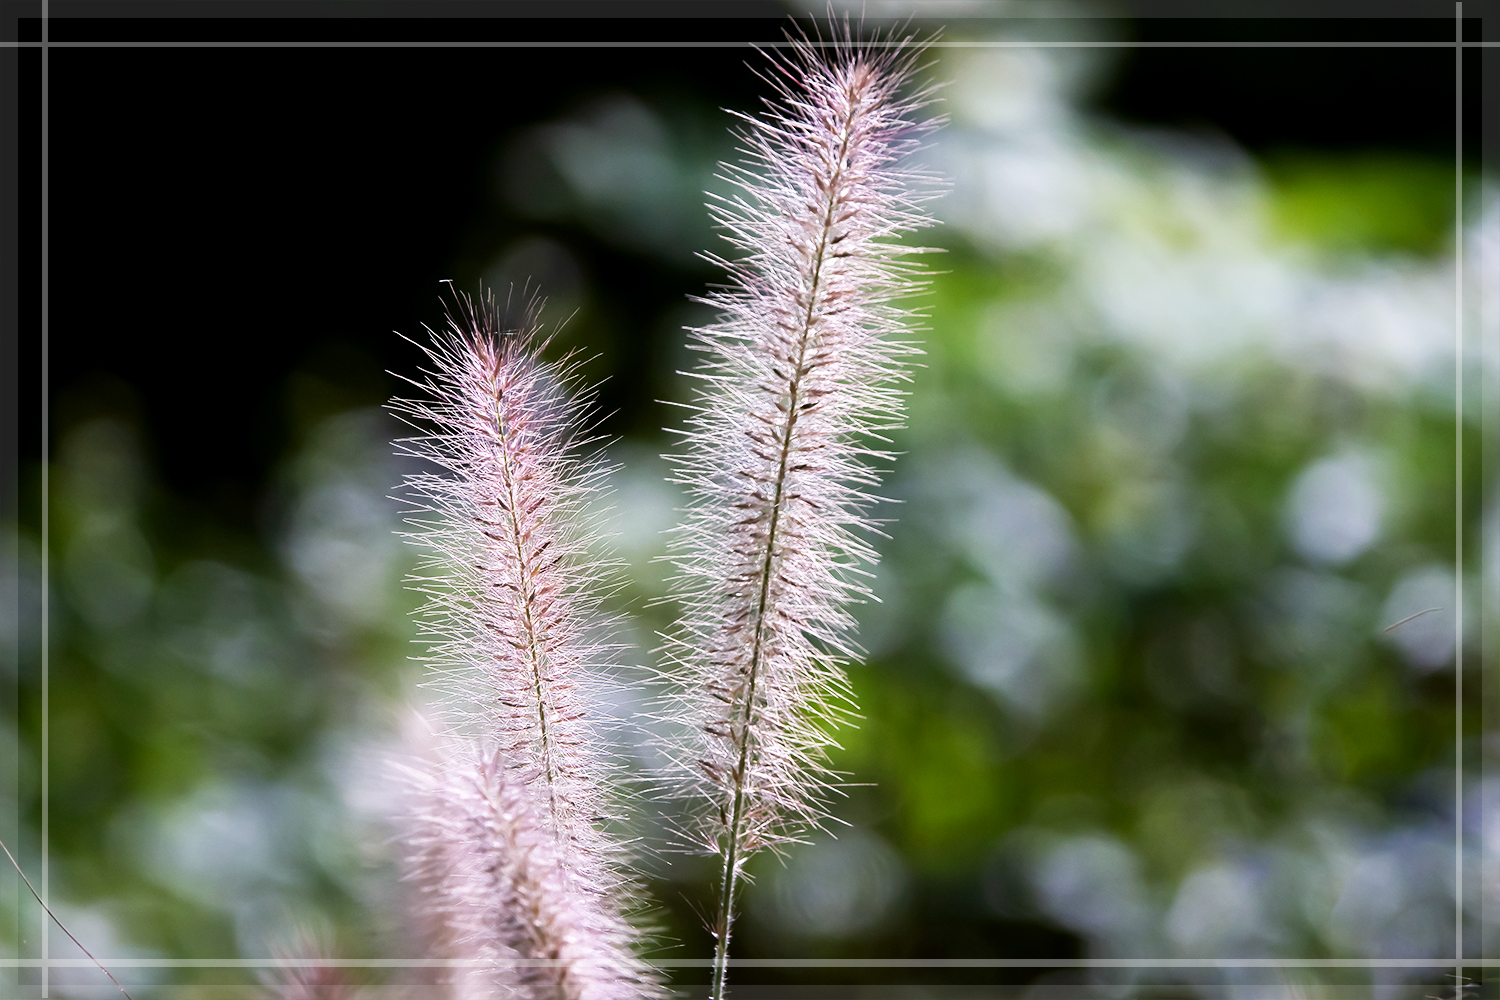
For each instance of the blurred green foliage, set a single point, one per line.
(1369, 203)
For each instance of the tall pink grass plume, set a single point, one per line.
(799, 384)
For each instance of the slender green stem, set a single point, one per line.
(741, 733)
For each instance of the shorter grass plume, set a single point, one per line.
(508, 846)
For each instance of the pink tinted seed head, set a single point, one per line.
(798, 385)
(509, 844)
(512, 616)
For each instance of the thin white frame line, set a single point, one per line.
(737, 45)
(1458, 484)
(45, 963)
(46, 929)
(773, 963)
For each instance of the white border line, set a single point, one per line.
(1020, 44)
(46, 929)
(1458, 485)
(770, 963)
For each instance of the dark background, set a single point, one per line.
(223, 217)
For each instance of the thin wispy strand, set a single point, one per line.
(510, 846)
(799, 384)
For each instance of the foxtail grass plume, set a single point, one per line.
(799, 383)
(509, 848)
